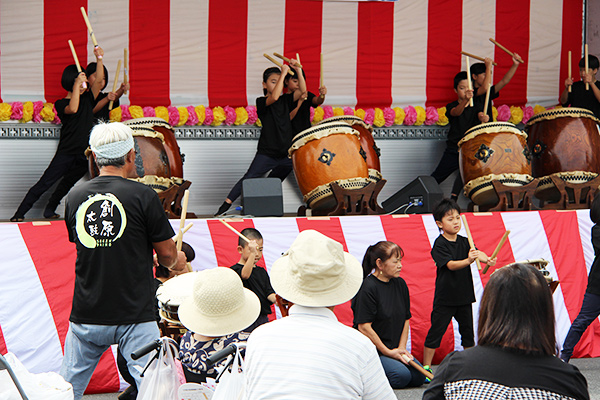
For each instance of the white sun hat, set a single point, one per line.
(316, 272)
(219, 304)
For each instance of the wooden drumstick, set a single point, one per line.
(497, 249)
(180, 233)
(184, 206)
(487, 99)
(510, 53)
(469, 79)
(125, 69)
(110, 104)
(464, 53)
(235, 231)
(274, 61)
(89, 26)
(321, 79)
(287, 60)
(569, 69)
(416, 366)
(470, 238)
(587, 67)
(84, 85)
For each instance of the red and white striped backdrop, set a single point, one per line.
(190, 52)
(38, 272)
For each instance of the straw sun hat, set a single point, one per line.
(219, 304)
(316, 272)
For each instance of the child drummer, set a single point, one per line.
(579, 96)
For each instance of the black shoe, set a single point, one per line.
(128, 394)
(224, 207)
(17, 218)
(51, 216)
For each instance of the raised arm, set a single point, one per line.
(97, 86)
(274, 96)
(509, 74)
(73, 105)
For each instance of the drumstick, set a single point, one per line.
(180, 233)
(416, 366)
(89, 26)
(184, 205)
(507, 51)
(274, 61)
(235, 231)
(487, 98)
(321, 79)
(125, 69)
(569, 69)
(471, 243)
(84, 85)
(497, 249)
(587, 67)
(476, 57)
(110, 104)
(469, 80)
(287, 60)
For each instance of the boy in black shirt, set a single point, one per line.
(276, 134)
(254, 277)
(453, 283)
(69, 164)
(101, 111)
(300, 114)
(579, 97)
(461, 118)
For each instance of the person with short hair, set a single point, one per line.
(579, 96)
(309, 354)
(115, 223)
(515, 356)
(454, 294)
(101, 111)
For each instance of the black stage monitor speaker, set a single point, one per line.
(418, 197)
(262, 197)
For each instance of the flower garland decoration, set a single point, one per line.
(369, 116)
(241, 116)
(360, 113)
(421, 115)
(327, 112)
(192, 116)
(338, 111)
(516, 115)
(230, 115)
(116, 114)
(47, 113)
(162, 112)
(17, 111)
(126, 114)
(400, 116)
(201, 112)
(208, 116)
(538, 109)
(318, 115)
(38, 106)
(136, 112)
(411, 115)
(218, 116)
(442, 118)
(431, 116)
(527, 114)
(5, 111)
(27, 111)
(253, 115)
(149, 112)
(494, 114)
(503, 113)
(389, 115)
(379, 119)
(183, 115)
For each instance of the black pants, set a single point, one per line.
(261, 164)
(447, 165)
(69, 167)
(441, 317)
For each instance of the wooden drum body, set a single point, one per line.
(327, 153)
(493, 152)
(367, 142)
(564, 142)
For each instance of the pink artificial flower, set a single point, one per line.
(431, 116)
(208, 119)
(125, 114)
(193, 116)
(369, 116)
(17, 110)
(230, 115)
(149, 111)
(327, 112)
(173, 115)
(527, 113)
(38, 106)
(252, 115)
(348, 111)
(503, 113)
(411, 115)
(312, 113)
(56, 119)
(389, 115)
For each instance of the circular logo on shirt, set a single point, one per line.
(100, 220)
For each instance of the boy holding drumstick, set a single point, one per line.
(579, 96)
(300, 114)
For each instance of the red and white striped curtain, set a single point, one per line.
(210, 52)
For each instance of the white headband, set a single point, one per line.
(114, 150)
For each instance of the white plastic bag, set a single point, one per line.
(231, 384)
(43, 386)
(160, 381)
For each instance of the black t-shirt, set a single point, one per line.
(75, 130)
(104, 114)
(301, 121)
(276, 134)
(452, 288)
(386, 305)
(260, 284)
(113, 222)
(579, 97)
(594, 276)
(486, 372)
(479, 103)
(461, 124)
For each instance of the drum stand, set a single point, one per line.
(171, 200)
(573, 196)
(352, 201)
(511, 198)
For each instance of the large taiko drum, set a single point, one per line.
(327, 153)
(367, 142)
(490, 152)
(171, 294)
(564, 142)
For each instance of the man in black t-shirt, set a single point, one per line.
(115, 224)
(276, 134)
(453, 283)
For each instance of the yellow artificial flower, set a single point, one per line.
(495, 113)
(161, 112)
(136, 112)
(379, 119)
(183, 115)
(421, 115)
(47, 112)
(258, 123)
(338, 111)
(538, 109)
(116, 114)
(516, 115)
(360, 113)
(442, 118)
(27, 111)
(318, 117)
(218, 116)
(201, 111)
(400, 115)
(5, 111)
(241, 116)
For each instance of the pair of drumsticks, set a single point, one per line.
(472, 244)
(467, 55)
(93, 36)
(274, 61)
(587, 66)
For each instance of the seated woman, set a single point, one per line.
(219, 308)
(382, 312)
(515, 356)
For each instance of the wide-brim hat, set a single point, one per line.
(316, 272)
(219, 304)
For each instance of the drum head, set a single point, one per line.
(572, 112)
(171, 294)
(320, 131)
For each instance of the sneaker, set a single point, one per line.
(428, 369)
(129, 394)
(224, 207)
